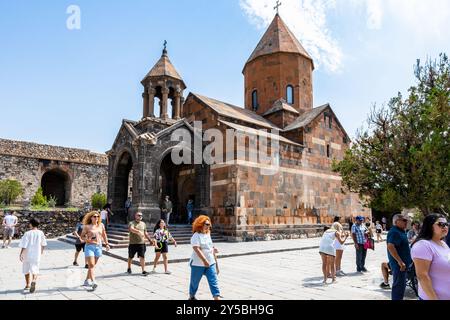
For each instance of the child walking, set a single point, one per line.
(32, 246)
(162, 237)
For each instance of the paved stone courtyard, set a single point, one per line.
(289, 275)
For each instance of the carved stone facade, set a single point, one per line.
(144, 149)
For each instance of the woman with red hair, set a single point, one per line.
(203, 260)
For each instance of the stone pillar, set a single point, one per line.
(165, 98)
(151, 102)
(145, 106)
(177, 105)
(181, 106)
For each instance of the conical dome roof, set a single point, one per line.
(278, 38)
(163, 68)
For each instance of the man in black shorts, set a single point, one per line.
(138, 233)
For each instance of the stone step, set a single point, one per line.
(118, 235)
(123, 243)
(125, 237)
(123, 232)
(178, 239)
(172, 227)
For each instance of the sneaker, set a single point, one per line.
(145, 273)
(192, 298)
(33, 287)
(340, 273)
(364, 270)
(86, 283)
(385, 285)
(75, 264)
(94, 286)
(168, 272)
(153, 271)
(129, 270)
(3, 247)
(26, 290)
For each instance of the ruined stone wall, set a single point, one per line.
(42, 151)
(27, 163)
(53, 224)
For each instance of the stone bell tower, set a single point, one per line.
(163, 82)
(279, 68)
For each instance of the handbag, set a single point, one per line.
(369, 244)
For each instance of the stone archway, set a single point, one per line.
(56, 183)
(186, 191)
(122, 188)
(176, 181)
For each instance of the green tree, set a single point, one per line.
(39, 200)
(10, 190)
(401, 159)
(98, 200)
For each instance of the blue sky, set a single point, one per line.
(74, 87)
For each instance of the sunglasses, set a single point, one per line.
(207, 224)
(443, 224)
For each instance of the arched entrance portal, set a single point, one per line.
(123, 182)
(56, 183)
(178, 182)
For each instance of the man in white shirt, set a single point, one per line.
(9, 223)
(32, 246)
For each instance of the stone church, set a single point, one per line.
(244, 204)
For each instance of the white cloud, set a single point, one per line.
(308, 21)
(374, 14)
(430, 17)
(424, 19)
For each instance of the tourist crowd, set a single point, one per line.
(420, 256)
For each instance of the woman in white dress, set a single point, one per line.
(339, 246)
(328, 252)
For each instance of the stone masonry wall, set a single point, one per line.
(42, 151)
(86, 172)
(294, 202)
(271, 74)
(53, 224)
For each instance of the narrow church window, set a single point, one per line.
(331, 122)
(328, 151)
(290, 94)
(255, 100)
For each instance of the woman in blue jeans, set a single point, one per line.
(203, 260)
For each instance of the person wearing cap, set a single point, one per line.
(359, 231)
(399, 255)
